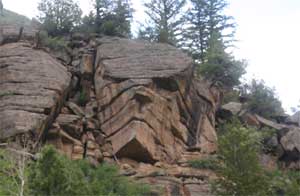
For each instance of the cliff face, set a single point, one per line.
(111, 99)
(148, 105)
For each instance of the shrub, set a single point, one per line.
(209, 163)
(240, 172)
(105, 180)
(7, 175)
(54, 174)
(285, 183)
(262, 99)
(13, 178)
(53, 43)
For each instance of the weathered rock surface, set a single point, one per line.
(294, 119)
(232, 107)
(10, 33)
(148, 105)
(123, 99)
(32, 88)
(128, 59)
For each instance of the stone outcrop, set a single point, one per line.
(11, 33)
(294, 119)
(148, 105)
(33, 86)
(112, 99)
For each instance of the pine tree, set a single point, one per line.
(112, 17)
(166, 21)
(219, 66)
(102, 9)
(204, 18)
(123, 13)
(59, 17)
(196, 35)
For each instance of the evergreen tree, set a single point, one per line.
(59, 17)
(112, 17)
(204, 18)
(166, 22)
(262, 99)
(240, 172)
(219, 66)
(102, 9)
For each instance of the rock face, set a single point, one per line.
(113, 99)
(294, 119)
(148, 106)
(32, 88)
(11, 33)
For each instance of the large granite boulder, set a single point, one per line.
(149, 106)
(32, 88)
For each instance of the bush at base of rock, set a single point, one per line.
(9, 179)
(53, 43)
(210, 163)
(285, 183)
(54, 174)
(240, 172)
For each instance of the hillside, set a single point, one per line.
(137, 105)
(10, 17)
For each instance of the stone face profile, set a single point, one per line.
(112, 99)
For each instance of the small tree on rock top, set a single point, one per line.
(59, 17)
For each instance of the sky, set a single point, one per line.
(268, 35)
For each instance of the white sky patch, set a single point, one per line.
(268, 32)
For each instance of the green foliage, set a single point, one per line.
(54, 174)
(166, 20)
(220, 67)
(203, 19)
(59, 17)
(285, 183)
(111, 18)
(8, 175)
(53, 43)
(240, 171)
(82, 100)
(13, 173)
(3, 94)
(231, 96)
(262, 99)
(105, 180)
(209, 163)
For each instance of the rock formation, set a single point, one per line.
(33, 87)
(112, 99)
